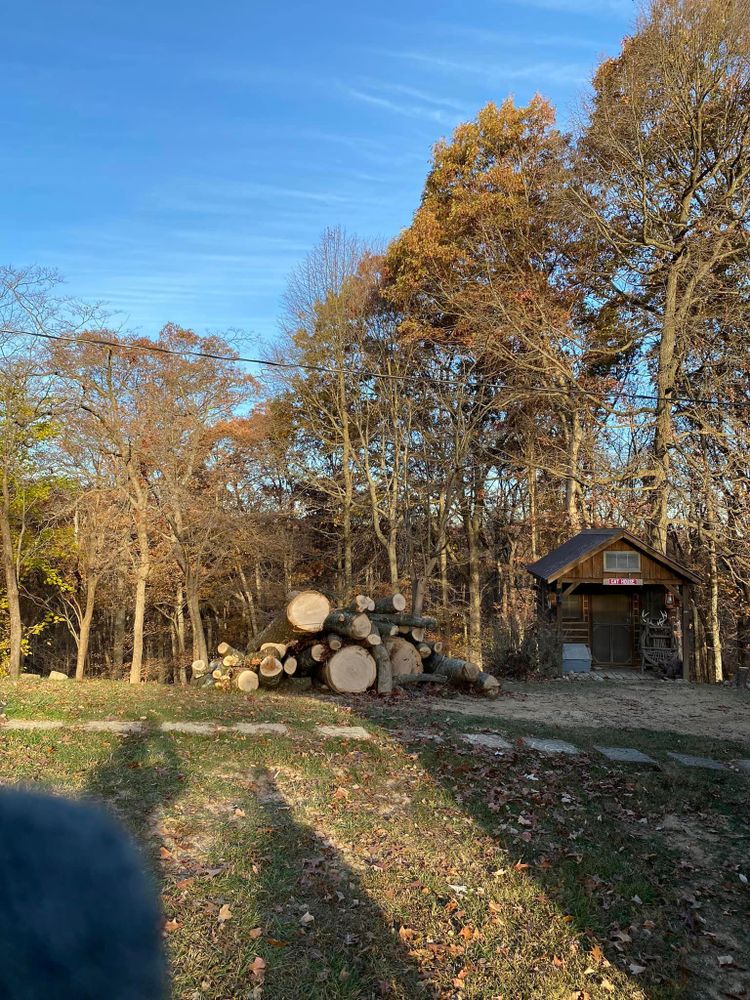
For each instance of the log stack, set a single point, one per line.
(373, 643)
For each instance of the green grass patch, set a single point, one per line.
(299, 867)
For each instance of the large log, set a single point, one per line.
(351, 624)
(351, 670)
(247, 681)
(270, 671)
(462, 672)
(404, 657)
(388, 605)
(304, 614)
(404, 619)
(307, 611)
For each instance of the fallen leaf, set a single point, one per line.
(725, 960)
(306, 919)
(596, 953)
(255, 932)
(258, 967)
(636, 969)
(172, 925)
(341, 793)
(224, 914)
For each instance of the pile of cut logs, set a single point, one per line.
(349, 650)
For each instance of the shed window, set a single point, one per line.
(571, 607)
(622, 561)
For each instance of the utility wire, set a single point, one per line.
(331, 370)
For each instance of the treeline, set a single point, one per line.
(559, 339)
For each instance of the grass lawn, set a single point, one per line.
(407, 866)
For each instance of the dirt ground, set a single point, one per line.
(695, 709)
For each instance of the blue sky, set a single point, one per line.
(176, 160)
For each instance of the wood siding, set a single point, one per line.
(591, 570)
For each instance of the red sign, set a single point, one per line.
(623, 581)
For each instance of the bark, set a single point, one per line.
(200, 646)
(85, 627)
(713, 624)
(139, 609)
(11, 589)
(179, 614)
(118, 636)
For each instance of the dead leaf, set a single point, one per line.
(306, 919)
(224, 914)
(255, 932)
(725, 960)
(636, 969)
(596, 953)
(172, 925)
(258, 968)
(341, 793)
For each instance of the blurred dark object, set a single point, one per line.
(79, 918)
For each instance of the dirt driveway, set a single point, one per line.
(699, 710)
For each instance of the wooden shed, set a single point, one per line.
(622, 598)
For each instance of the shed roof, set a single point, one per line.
(586, 543)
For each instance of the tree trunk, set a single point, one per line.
(713, 623)
(471, 528)
(85, 630)
(663, 428)
(139, 610)
(118, 634)
(11, 595)
(200, 646)
(572, 487)
(179, 618)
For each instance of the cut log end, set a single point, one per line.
(247, 681)
(270, 666)
(308, 610)
(404, 657)
(351, 670)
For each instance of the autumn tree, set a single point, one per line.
(665, 169)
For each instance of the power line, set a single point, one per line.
(331, 370)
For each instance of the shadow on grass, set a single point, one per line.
(321, 935)
(641, 863)
(140, 778)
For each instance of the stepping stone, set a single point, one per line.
(344, 732)
(112, 726)
(688, 760)
(627, 755)
(200, 728)
(488, 740)
(550, 746)
(32, 724)
(743, 765)
(256, 728)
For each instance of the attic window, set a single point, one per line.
(615, 562)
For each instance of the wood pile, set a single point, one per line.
(373, 643)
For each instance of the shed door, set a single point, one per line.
(611, 629)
